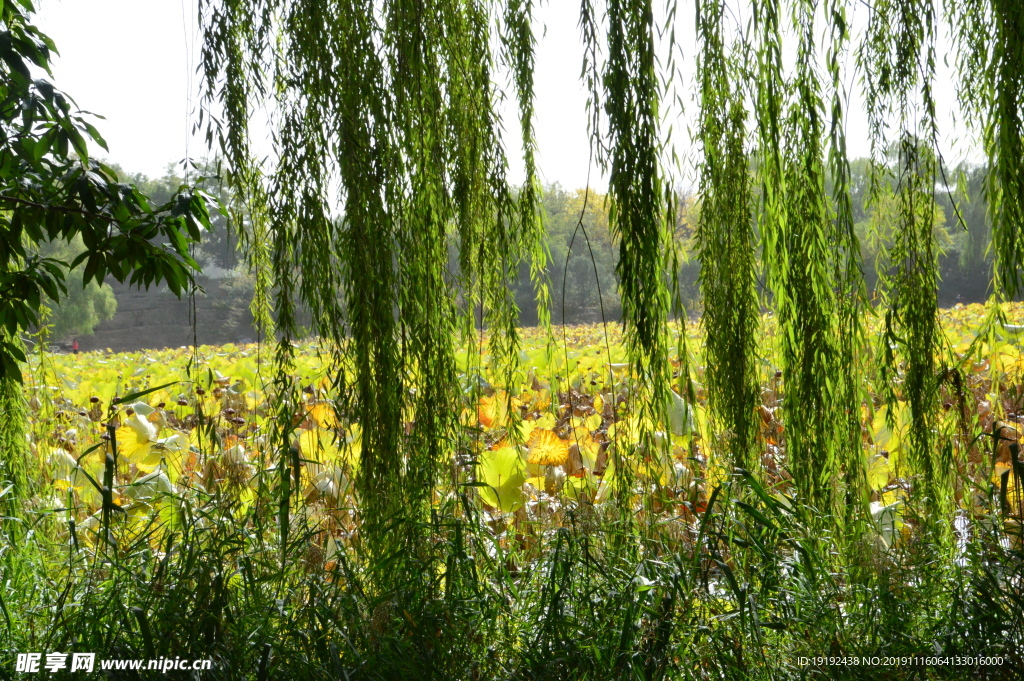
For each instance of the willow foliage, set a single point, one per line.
(990, 41)
(726, 242)
(627, 92)
(388, 149)
(900, 44)
(13, 452)
(809, 258)
(387, 146)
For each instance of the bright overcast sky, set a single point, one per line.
(128, 61)
(133, 62)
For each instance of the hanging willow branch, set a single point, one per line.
(853, 295)
(626, 141)
(899, 64)
(806, 259)
(725, 243)
(990, 41)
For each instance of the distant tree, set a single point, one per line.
(963, 229)
(577, 227)
(687, 212)
(968, 220)
(877, 231)
(84, 308)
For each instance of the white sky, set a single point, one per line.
(128, 61)
(133, 61)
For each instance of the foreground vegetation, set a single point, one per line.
(162, 525)
(740, 504)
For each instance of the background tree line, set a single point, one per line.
(84, 308)
(960, 224)
(961, 227)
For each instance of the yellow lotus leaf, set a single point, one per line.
(493, 410)
(541, 400)
(324, 447)
(1005, 357)
(160, 396)
(354, 438)
(891, 438)
(97, 388)
(318, 445)
(715, 473)
(627, 429)
(598, 404)
(200, 439)
(145, 520)
(546, 421)
(547, 449)
(892, 496)
(579, 488)
(587, 445)
(135, 437)
(526, 429)
(503, 473)
(589, 423)
(878, 472)
(537, 482)
(64, 485)
(323, 414)
(243, 502)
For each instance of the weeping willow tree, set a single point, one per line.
(900, 45)
(387, 146)
(629, 150)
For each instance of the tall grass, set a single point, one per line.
(730, 579)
